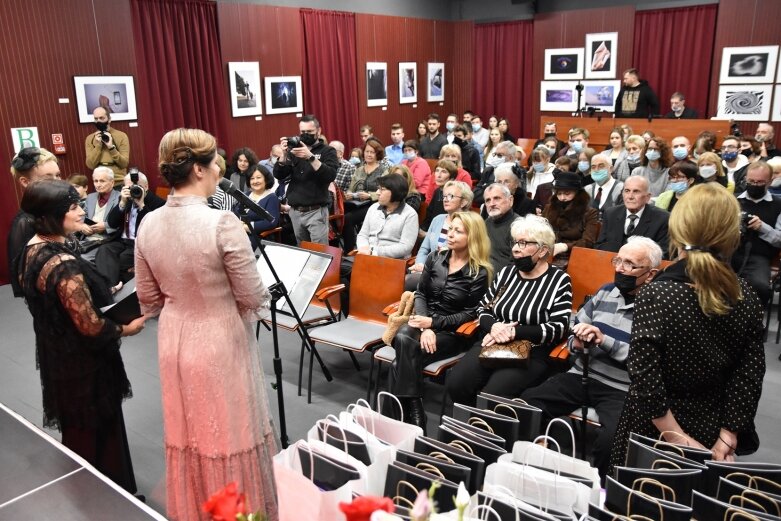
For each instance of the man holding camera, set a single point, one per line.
(310, 166)
(135, 201)
(107, 147)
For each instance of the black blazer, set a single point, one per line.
(116, 217)
(652, 224)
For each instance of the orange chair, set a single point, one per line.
(527, 144)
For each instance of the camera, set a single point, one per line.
(104, 136)
(136, 192)
(293, 142)
(745, 217)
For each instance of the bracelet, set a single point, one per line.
(727, 444)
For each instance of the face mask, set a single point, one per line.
(680, 153)
(525, 264)
(450, 127)
(355, 161)
(552, 151)
(600, 176)
(584, 166)
(679, 187)
(494, 161)
(101, 125)
(633, 158)
(577, 146)
(625, 284)
(695, 155)
(653, 155)
(409, 156)
(776, 182)
(538, 167)
(706, 172)
(756, 192)
(476, 127)
(729, 156)
(550, 134)
(274, 160)
(308, 139)
(747, 152)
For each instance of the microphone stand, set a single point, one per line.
(579, 87)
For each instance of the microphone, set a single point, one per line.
(229, 188)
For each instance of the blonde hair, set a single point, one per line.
(404, 172)
(467, 196)
(451, 150)
(636, 140)
(712, 158)
(478, 244)
(44, 156)
(707, 217)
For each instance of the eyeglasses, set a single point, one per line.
(450, 197)
(628, 266)
(729, 147)
(522, 244)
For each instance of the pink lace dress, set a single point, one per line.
(195, 268)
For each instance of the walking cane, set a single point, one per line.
(584, 405)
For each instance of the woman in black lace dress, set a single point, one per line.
(83, 379)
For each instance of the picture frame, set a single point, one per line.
(776, 114)
(744, 65)
(435, 82)
(117, 94)
(601, 56)
(601, 94)
(284, 95)
(564, 64)
(376, 84)
(744, 102)
(408, 82)
(558, 96)
(245, 93)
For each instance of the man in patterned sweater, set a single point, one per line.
(605, 321)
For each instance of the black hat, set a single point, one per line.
(567, 181)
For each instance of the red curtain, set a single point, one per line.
(331, 71)
(180, 74)
(673, 50)
(502, 79)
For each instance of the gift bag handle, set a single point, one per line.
(646, 496)
(740, 500)
(521, 477)
(441, 456)
(669, 445)
(488, 510)
(463, 446)
(326, 434)
(505, 406)
(363, 403)
(386, 393)
(569, 428)
(685, 439)
(760, 494)
(557, 464)
(641, 482)
(399, 497)
(661, 462)
(428, 467)
(474, 420)
(733, 513)
(752, 480)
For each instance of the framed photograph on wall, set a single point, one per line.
(283, 94)
(600, 94)
(748, 64)
(564, 64)
(408, 82)
(744, 102)
(435, 82)
(601, 49)
(376, 84)
(117, 94)
(558, 96)
(245, 88)
(776, 114)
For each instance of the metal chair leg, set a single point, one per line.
(309, 388)
(301, 366)
(445, 397)
(355, 361)
(371, 373)
(377, 384)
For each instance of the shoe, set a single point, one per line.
(417, 414)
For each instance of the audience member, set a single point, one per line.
(356, 157)
(504, 152)
(626, 130)
(528, 300)
(453, 153)
(394, 152)
(617, 151)
(635, 150)
(766, 135)
(99, 205)
(81, 184)
(494, 138)
(451, 122)
(243, 163)
(705, 142)
(735, 164)
(655, 164)
(499, 207)
(432, 143)
(540, 173)
(363, 190)
(573, 220)
(582, 166)
(479, 134)
(470, 157)
(275, 155)
(366, 132)
(710, 170)
(682, 176)
(505, 174)
(221, 200)
(421, 172)
(678, 108)
(414, 198)
(108, 146)
(549, 130)
(750, 148)
(604, 324)
(775, 184)
(445, 171)
(635, 99)
(578, 140)
(681, 148)
(261, 183)
(467, 117)
(566, 163)
(344, 175)
(605, 192)
(493, 122)
(422, 131)
(504, 128)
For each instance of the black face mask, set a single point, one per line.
(747, 152)
(756, 192)
(625, 284)
(308, 139)
(525, 264)
(101, 125)
(550, 134)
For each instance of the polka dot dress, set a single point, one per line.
(707, 370)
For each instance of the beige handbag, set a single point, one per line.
(399, 317)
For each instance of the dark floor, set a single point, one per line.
(20, 390)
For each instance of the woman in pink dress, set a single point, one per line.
(195, 268)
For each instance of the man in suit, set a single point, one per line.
(634, 217)
(605, 192)
(99, 204)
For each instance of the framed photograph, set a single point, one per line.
(376, 84)
(435, 77)
(564, 64)
(601, 58)
(408, 82)
(600, 94)
(558, 96)
(776, 114)
(116, 94)
(245, 88)
(283, 94)
(749, 64)
(744, 102)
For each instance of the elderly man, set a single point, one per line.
(99, 203)
(344, 175)
(503, 152)
(681, 148)
(678, 108)
(107, 147)
(766, 135)
(505, 175)
(274, 156)
(604, 322)
(499, 206)
(605, 192)
(634, 217)
(116, 257)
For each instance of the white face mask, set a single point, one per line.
(776, 182)
(494, 161)
(708, 171)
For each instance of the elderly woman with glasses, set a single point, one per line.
(528, 300)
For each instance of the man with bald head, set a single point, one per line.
(605, 192)
(681, 148)
(108, 147)
(634, 217)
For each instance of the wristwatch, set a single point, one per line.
(311, 158)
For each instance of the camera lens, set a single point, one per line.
(136, 192)
(104, 137)
(293, 142)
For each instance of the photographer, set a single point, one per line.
(309, 166)
(135, 201)
(761, 230)
(107, 147)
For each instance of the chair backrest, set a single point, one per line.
(422, 211)
(432, 164)
(375, 282)
(162, 192)
(331, 277)
(526, 144)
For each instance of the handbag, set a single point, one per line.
(514, 353)
(399, 317)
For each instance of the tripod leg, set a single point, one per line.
(301, 366)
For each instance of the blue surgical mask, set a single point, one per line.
(680, 153)
(653, 155)
(600, 176)
(584, 166)
(355, 161)
(679, 187)
(538, 167)
(409, 156)
(476, 127)
(729, 156)
(552, 151)
(450, 127)
(577, 146)
(633, 158)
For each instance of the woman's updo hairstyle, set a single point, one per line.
(48, 202)
(180, 149)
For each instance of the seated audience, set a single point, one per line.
(430, 145)
(634, 217)
(775, 184)
(261, 182)
(604, 324)
(566, 163)
(505, 175)
(655, 164)
(573, 220)
(635, 150)
(453, 153)
(682, 176)
(445, 171)
(681, 148)
(528, 300)
(99, 205)
(605, 192)
(711, 171)
(344, 175)
(504, 152)
(421, 172)
(356, 157)
(750, 148)
(394, 152)
(362, 190)
(540, 177)
(422, 130)
(578, 140)
(504, 128)
(735, 164)
(243, 163)
(451, 285)
(275, 155)
(766, 136)
(648, 135)
(470, 157)
(678, 108)
(498, 221)
(81, 184)
(413, 199)
(705, 142)
(583, 166)
(626, 131)
(616, 148)
(549, 131)
(494, 138)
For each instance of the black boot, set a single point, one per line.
(417, 414)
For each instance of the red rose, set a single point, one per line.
(362, 507)
(226, 504)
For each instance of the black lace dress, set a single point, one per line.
(83, 379)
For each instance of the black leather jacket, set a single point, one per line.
(450, 300)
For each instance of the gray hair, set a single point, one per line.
(537, 228)
(509, 149)
(652, 250)
(338, 145)
(103, 170)
(141, 178)
(499, 186)
(467, 196)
